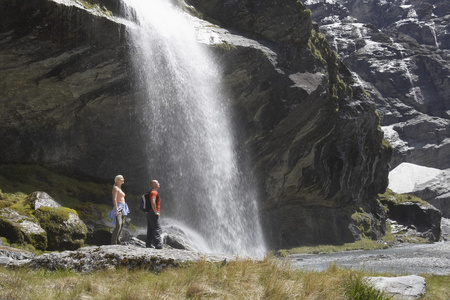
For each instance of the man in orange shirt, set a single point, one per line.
(153, 226)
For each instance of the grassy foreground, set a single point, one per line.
(243, 279)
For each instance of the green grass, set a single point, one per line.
(238, 279)
(66, 190)
(363, 244)
(389, 195)
(17, 182)
(356, 288)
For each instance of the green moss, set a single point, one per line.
(388, 237)
(96, 7)
(387, 146)
(10, 232)
(363, 221)
(225, 46)
(87, 211)
(67, 191)
(10, 199)
(59, 237)
(390, 196)
(362, 244)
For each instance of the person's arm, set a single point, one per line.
(115, 192)
(153, 203)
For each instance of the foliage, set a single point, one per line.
(362, 221)
(89, 4)
(67, 191)
(362, 244)
(10, 199)
(437, 287)
(356, 289)
(390, 196)
(59, 236)
(270, 278)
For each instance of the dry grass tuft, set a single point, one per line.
(270, 278)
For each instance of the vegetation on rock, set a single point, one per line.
(81, 198)
(61, 235)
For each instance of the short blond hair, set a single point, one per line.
(117, 178)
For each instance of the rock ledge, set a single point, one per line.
(93, 258)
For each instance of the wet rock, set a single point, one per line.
(281, 98)
(177, 239)
(404, 287)
(312, 131)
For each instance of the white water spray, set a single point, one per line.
(190, 138)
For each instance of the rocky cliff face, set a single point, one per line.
(400, 50)
(65, 88)
(69, 101)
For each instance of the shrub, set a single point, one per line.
(355, 288)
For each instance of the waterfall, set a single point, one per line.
(433, 31)
(191, 140)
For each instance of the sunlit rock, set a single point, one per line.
(22, 229)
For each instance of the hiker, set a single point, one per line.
(153, 226)
(120, 210)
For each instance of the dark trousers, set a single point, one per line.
(115, 237)
(153, 231)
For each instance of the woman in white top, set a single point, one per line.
(120, 210)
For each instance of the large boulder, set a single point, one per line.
(403, 287)
(65, 230)
(417, 218)
(42, 199)
(429, 184)
(22, 229)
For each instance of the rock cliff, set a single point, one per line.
(400, 51)
(68, 98)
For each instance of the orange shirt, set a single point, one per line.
(154, 194)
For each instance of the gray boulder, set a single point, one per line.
(404, 287)
(18, 228)
(176, 238)
(65, 230)
(42, 199)
(429, 184)
(445, 227)
(92, 258)
(415, 219)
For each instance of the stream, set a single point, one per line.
(401, 260)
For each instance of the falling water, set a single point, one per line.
(190, 138)
(433, 31)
